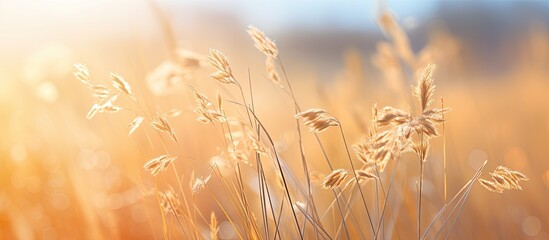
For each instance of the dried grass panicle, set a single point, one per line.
(205, 110)
(379, 149)
(435, 114)
(421, 150)
(386, 145)
(255, 144)
(317, 120)
(220, 62)
(491, 186)
(363, 151)
(121, 85)
(406, 124)
(423, 125)
(100, 92)
(400, 40)
(392, 116)
(103, 108)
(504, 178)
(170, 202)
(94, 110)
(214, 227)
(272, 72)
(161, 124)
(135, 124)
(198, 183)
(219, 99)
(425, 89)
(190, 60)
(262, 42)
(159, 164)
(374, 112)
(238, 156)
(209, 116)
(365, 175)
(335, 178)
(311, 113)
(82, 74)
(106, 107)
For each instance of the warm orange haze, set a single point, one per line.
(291, 120)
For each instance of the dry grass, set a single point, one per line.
(234, 149)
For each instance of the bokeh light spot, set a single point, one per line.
(531, 226)
(477, 158)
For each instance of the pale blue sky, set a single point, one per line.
(277, 15)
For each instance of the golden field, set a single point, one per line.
(240, 162)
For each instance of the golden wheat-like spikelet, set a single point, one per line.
(121, 85)
(170, 202)
(219, 99)
(214, 227)
(365, 175)
(159, 164)
(206, 112)
(94, 110)
(268, 47)
(100, 92)
(379, 149)
(82, 74)
(362, 151)
(334, 179)
(424, 125)
(424, 90)
(208, 116)
(256, 145)
(135, 124)
(220, 62)
(421, 150)
(507, 178)
(272, 72)
(389, 115)
(238, 156)
(262, 42)
(491, 186)
(317, 120)
(198, 183)
(504, 178)
(161, 124)
(435, 114)
(106, 107)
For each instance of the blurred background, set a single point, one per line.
(65, 177)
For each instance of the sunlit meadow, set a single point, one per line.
(287, 120)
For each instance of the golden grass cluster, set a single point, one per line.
(248, 148)
(317, 120)
(503, 179)
(159, 164)
(190, 145)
